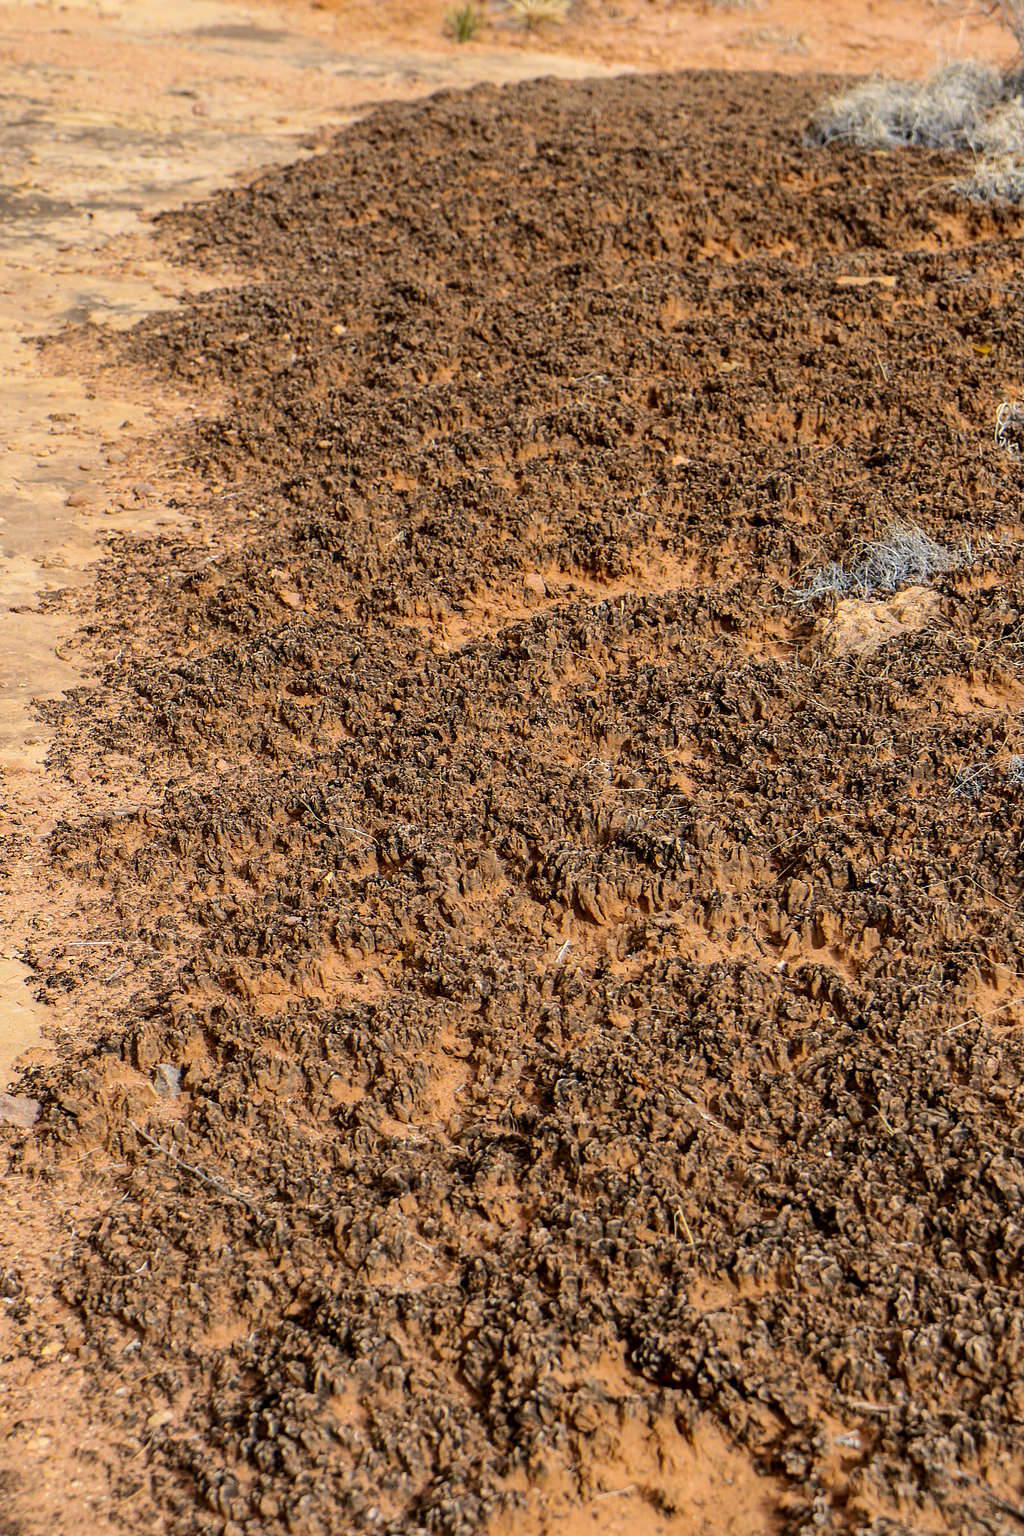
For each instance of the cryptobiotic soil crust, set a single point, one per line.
(570, 1071)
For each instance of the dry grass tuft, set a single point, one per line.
(949, 110)
(963, 106)
(533, 13)
(1003, 133)
(905, 555)
(998, 176)
(995, 179)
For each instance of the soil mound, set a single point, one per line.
(573, 1079)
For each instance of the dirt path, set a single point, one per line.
(355, 504)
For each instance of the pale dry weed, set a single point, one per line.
(948, 110)
(531, 14)
(904, 556)
(966, 105)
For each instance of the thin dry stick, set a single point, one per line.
(198, 1173)
(560, 958)
(979, 1018)
(717, 1124)
(991, 894)
(1016, 1510)
(686, 1226)
(1012, 12)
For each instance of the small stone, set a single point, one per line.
(79, 499)
(167, 1080)
(859, 625)
(17, 1109)
(289, 597)
(488, 864)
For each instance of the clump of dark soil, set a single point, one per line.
(598, 1017)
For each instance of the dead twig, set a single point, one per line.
(979, 1018)
(680, 1215)
(198, 1173)
(718, 1125)
(1016, 1510)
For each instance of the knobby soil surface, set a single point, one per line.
(590, 975)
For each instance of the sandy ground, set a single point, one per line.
(112, 113)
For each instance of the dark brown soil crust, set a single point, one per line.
(597, 1009)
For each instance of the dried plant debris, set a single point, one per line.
(1009, 433)
(998, 175)
(532, 14)
(1007, 770)
(904, 556)
(592, 1024)
(950, 109)
(995, 179)
(964, 106)
(1003, 133)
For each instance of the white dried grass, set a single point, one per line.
(998, 176)
(905, 556)
(949, 110)
(1010, 427)
(1003, 132)
(971, 780)
(998, 179)
(963, 106)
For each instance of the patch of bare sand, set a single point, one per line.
(859, 37)
(644, 1479)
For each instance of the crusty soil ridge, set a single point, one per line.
(598, 1021)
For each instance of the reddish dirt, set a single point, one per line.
(595, 1008)
(859, 36)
